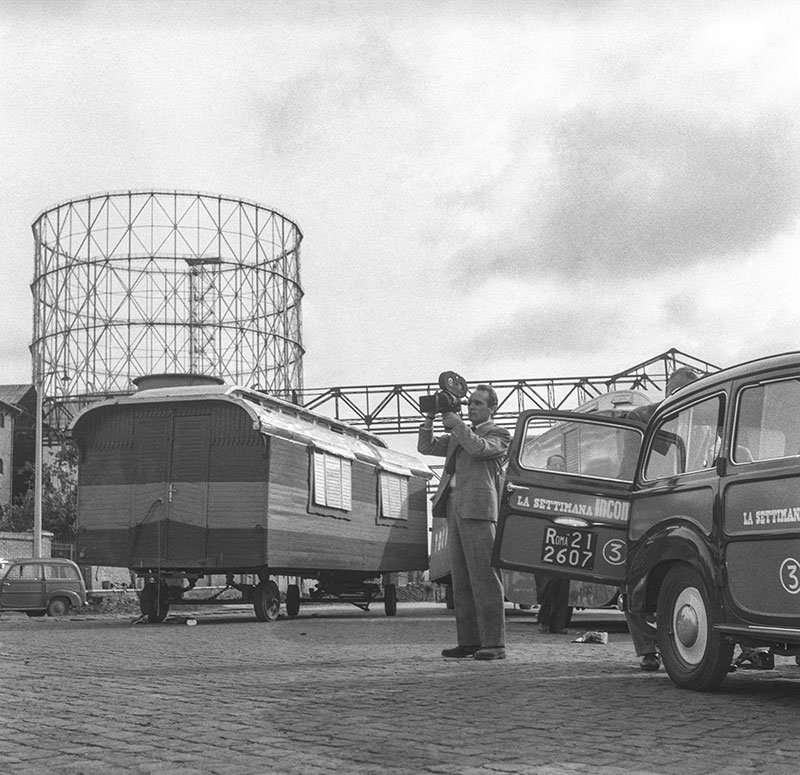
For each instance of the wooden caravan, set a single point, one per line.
(180, 481)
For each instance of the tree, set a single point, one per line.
(59, 498)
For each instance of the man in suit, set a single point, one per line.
(468, 496)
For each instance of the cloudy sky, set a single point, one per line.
(506, 189)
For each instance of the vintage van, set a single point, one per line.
(696, 516)
(39, 586)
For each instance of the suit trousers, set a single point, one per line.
(642, 635)
(478, 596)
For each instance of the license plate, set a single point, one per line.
(568, 547)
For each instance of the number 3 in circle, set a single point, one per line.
(614, 551)
(790, 575)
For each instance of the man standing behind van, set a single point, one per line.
(644, 641)
(468, 497)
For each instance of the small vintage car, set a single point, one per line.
(696, 515)
(39, 586)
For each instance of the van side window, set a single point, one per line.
(27, 571)
(686, 441)
(768, 422)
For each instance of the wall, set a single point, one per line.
(14, 545)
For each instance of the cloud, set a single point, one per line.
(576, 323)
(627, 194)
(349, 89)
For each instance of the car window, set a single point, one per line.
(768, 422)
(60, 572)
(580, 447)
(686, 441)
(26, 571)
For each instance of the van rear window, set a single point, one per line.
(583, 447)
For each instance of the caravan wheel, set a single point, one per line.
(266, 601)
(153, 603)
(390, 599)
(292, 600)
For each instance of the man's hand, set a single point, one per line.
(450, 420)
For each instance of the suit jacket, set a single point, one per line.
(479, 457)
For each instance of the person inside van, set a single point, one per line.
(552, 592)
(642, 634)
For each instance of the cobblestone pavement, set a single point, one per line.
(339, 690)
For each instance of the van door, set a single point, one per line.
(565, 501)
(23, 587)
(760, 496)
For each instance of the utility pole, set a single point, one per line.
(37, 481)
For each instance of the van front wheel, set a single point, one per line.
(694, 656)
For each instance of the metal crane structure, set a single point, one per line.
(394, 409)
(147, 282)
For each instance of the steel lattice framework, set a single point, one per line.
(394, 409)
(150, 282)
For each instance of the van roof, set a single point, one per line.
(745, 369)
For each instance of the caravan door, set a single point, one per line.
(565, 501)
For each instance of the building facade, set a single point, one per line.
(17, 440)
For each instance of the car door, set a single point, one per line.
(22, 587)
(565, 500)
(760, 497)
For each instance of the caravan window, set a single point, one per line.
(392, 496)
(332, 481)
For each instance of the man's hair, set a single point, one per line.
(682, 376)
(493, 400)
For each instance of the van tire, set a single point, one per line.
(58, 606)
(694, 655)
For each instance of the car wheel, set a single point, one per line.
(694, 656)
(292, 600)
(58, 606)
(266, 601)
(390, 599)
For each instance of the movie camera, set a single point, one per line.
(449, 398)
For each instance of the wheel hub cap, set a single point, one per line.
(687, 626)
